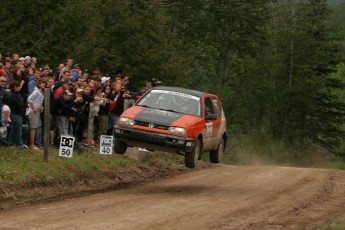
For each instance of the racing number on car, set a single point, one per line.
(106, 145)
(66, 146)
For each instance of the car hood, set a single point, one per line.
(157, 116)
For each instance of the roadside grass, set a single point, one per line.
(22, 168)
(337, 223)
(340, 224)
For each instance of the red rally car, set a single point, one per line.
(172, 119)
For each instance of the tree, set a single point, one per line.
(301, 50)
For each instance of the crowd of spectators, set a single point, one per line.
(72, 90)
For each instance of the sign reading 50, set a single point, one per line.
(66, 146)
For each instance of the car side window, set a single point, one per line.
(208, 106)
(217, 107)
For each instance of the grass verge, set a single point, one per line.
(26, 178)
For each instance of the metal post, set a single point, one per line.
(90, 126)
(47, 117)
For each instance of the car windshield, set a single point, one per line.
(171, 101)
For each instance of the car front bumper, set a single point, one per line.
(153, 140)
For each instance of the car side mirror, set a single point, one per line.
(211, 116)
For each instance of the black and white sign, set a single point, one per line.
(106, 145)
(66, 146)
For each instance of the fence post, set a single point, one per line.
(90, 126)
(47, 122)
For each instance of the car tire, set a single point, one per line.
(191, 158)
(216, 156)
(120, 147)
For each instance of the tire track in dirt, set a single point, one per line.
(222, 197)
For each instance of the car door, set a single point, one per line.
(220, 123)
(210, 135)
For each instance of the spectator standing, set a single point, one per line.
(59, 92)
(116, 107)
(58, 70)
(2, 91)
(8, 72)
(51, 83)
(67, 67)
(64, 78)
(32, 82)
(103, 113)
(63, 109)
(18, 107)
(5, 114)
(35, 101)
(27, 61)
(15, 58)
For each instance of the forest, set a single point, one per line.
(277, 65)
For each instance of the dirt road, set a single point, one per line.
(223, 197)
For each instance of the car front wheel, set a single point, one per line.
(120, 147)
(191, 158)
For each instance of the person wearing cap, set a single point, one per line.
(8, 57)
(76, 69)
(103, 113)
(63, 111)
(105, 81)
(59, 92)
(27, 61)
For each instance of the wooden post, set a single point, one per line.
(90, 127)
(47, 122)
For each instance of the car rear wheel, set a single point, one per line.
(120, 147)
(191, 158)
(216, 156)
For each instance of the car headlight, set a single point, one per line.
(177, 130)
(126, 121)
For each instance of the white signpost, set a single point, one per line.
(106, 145)
(66, 146)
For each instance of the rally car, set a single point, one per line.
(172, 119)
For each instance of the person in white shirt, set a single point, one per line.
(35, 101)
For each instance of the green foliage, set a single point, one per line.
(271, 62)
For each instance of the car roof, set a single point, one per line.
(182, 90)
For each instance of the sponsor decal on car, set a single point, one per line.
(178, 94)
(209, 128)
